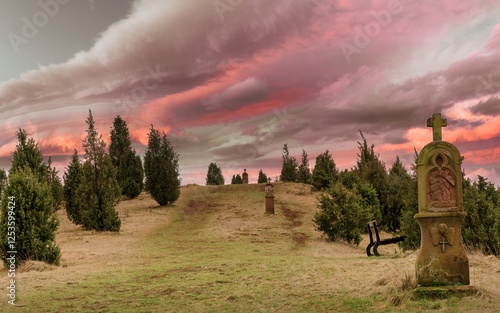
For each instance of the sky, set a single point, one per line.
(231, 81)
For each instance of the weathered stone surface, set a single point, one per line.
(442, 260)
(439, 186)
(436, 122)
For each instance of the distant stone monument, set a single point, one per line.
(245, 176)
(269, 188)
(442, 260)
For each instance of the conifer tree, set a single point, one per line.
(237, 179)
(304, 173)
(481, 227)
(98, 192)
(325, 171)
(262, 178)
(401, 195)
(28, 155)
(72, 179)
(369, 165)
(343, 212)
(151, 160)
(32, 219)
(55, 183)
(130, 173)
(372, 170)
(120, 140)
(408, 225)
(350, 177)
(214, 175)
(161, 166)
(288, 166)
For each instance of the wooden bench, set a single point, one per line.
(378, 242)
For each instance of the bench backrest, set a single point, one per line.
(373, 225)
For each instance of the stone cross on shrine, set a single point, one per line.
(436, 122)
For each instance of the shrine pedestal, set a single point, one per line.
(442, 260)
(269, 204)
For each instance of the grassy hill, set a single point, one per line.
(215, 250)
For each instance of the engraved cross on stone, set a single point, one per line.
(436, 122)
(443, 242)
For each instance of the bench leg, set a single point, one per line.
(375, 249)
(368, 248)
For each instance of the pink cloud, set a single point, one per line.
(493, 42)
(485, 156)
(194, 79)
(492, 175)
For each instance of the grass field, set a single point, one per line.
(215, 250)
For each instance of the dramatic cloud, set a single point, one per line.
(488, 107)
(232, 81)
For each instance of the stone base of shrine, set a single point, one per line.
(442, 260)
(444, 292)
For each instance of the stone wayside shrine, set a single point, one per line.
(244, 176)
(269, 188)
(442, 261)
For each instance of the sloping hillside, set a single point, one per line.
(215, 250)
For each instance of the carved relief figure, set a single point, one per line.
(441, 185)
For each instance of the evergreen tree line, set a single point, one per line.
(351, 198)
(33, 192)
(215, 177)
(370, 190)
(237, 179)
(92, 187)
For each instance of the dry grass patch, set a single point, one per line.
(215, 250)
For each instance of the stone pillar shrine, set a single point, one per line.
(442, 260)
(269, 188)
(244, 176)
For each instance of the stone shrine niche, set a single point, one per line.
(439, 177)
(269, 190)
(441, 185)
